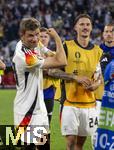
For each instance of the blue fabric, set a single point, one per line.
(104, 140)
(108, 55)
(49, 93)
(106, 48)
(105, 131)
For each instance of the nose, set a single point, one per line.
(109, 34)
(86, 26)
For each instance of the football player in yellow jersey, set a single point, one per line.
(48, 85)
(49, 82)
(79, 115)
(44, 41)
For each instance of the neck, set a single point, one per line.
(109, 44)
(83, 41)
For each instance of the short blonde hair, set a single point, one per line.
(29, 24)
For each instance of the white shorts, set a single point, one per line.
(79, 121)
(98, 106)
(39, 119)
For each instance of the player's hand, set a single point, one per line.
(83, 80)
(52, 33)
(94, 85)
(91, 87)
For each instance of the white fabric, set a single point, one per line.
(97, 73)
(39, 119)
(78, 121)
(25, 96)
(98, 106)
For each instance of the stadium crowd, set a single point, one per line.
(51, 13)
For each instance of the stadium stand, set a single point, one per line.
(51, 13)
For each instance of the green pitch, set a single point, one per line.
(6, 118)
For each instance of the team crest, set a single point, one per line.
(77, 55)
(77, 60)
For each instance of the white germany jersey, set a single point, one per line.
(28, 73)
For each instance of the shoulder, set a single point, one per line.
(19, 54)
(18, 46)
(98, 49)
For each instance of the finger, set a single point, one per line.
(87, 82)
(49, 30)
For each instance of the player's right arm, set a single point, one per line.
(57, 73)
(59, 59)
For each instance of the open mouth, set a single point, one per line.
(85, 31)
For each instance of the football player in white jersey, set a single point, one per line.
(29, 107)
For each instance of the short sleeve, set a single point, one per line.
(28, 59)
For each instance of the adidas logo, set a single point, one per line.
(104, 59)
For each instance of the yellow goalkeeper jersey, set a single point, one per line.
(82, 62)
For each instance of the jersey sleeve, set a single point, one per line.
(33, 60)
(28, 60)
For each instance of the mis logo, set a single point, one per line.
(32, 134)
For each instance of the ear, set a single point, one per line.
(75, 27)
(21, 33)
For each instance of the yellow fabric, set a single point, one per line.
(40, 44)
(83, 62)
(58, 89)
(1, 72)
(48, 81)
(99, 92)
